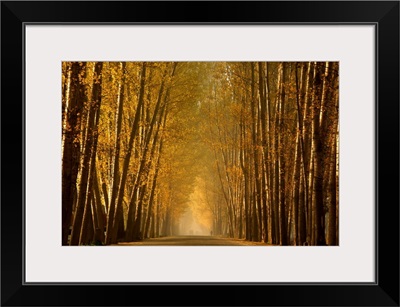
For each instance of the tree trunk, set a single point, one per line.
(99, 210)
(282, 161)
(88, 165)
(71, 145)
(256, 185)
(319, 85)
(264, 158)
(112, 230)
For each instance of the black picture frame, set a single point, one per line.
(383, 14)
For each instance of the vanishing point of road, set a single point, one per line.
(192, 241)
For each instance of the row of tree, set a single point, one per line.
(273, 129)
(118, 120)
(256, 142)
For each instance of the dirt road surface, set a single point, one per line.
(192, 241)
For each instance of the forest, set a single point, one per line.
(246, 150)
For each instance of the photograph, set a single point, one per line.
(200, 153)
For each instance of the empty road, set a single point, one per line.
(192, 241)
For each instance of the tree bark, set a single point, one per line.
(111, 228)
(71, 146)
(88, 164)
(282, 161)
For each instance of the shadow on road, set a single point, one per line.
(193, 241)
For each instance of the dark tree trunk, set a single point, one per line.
(71, 149)
(282, 162)
(100, 212)
(83, 209)
(318, 157)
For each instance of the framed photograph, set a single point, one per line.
(200, 153)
